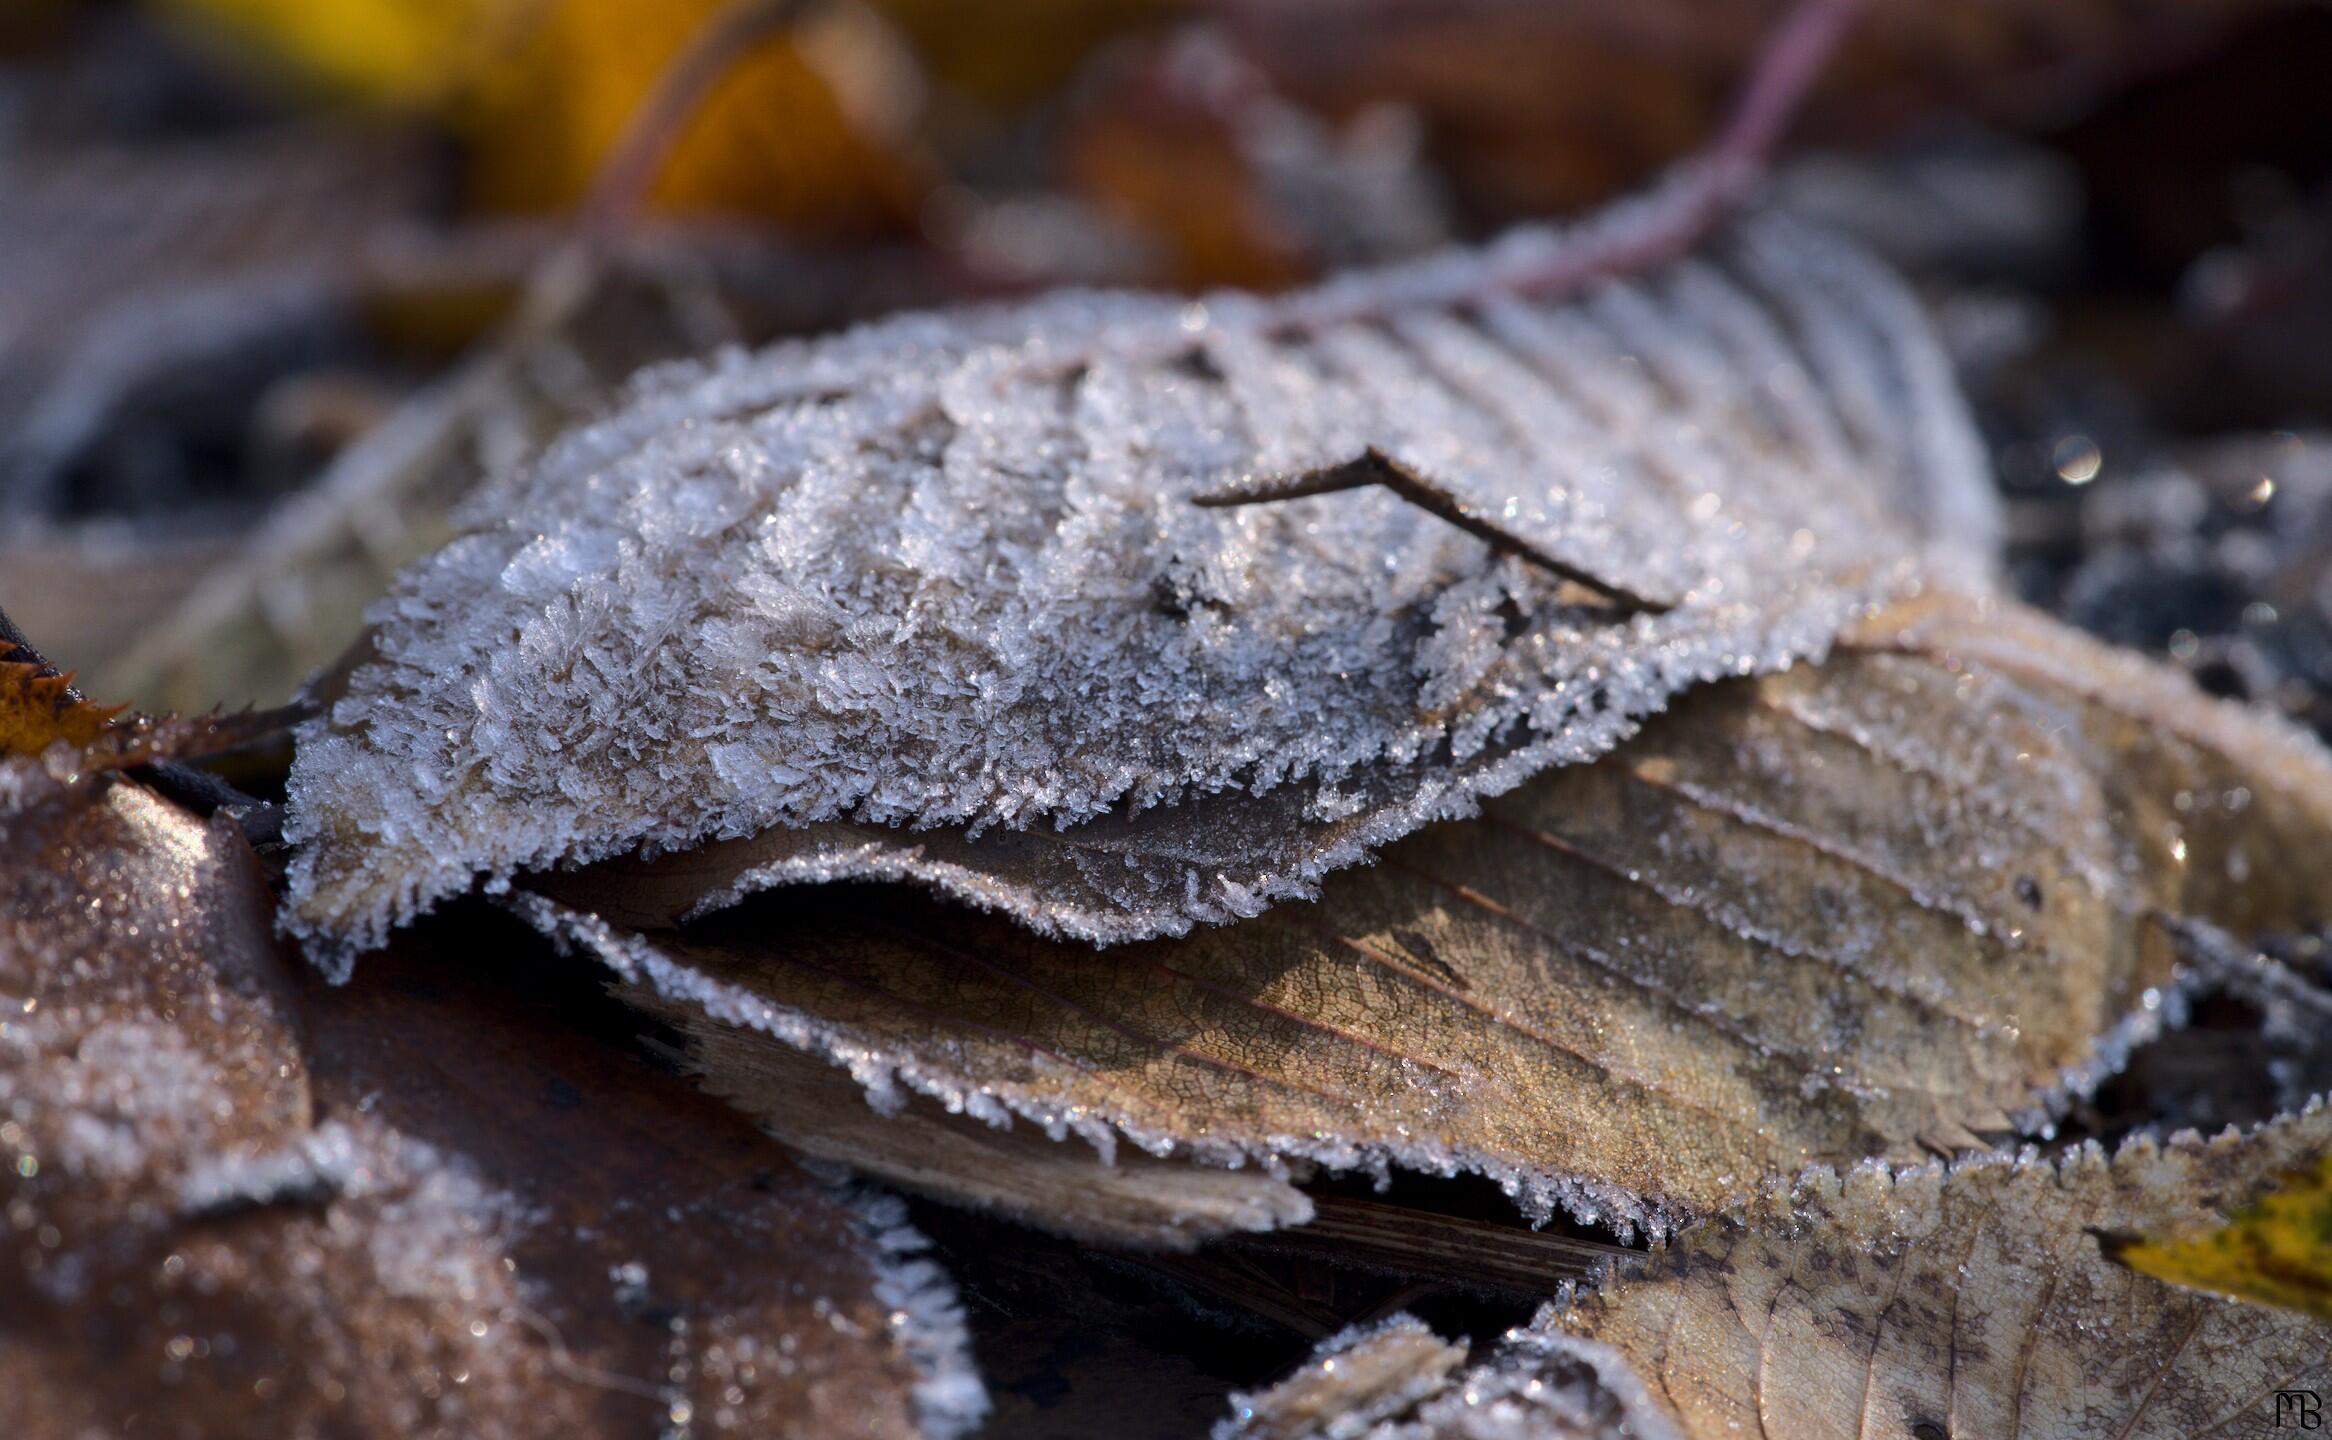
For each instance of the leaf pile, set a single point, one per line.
(1503, 783)
(1903, 901)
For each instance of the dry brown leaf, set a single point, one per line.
(1969, 1302)
(1353, 1380)
(245, 1205)
(1186, 147)
(1845, 911)
(1141, 1200)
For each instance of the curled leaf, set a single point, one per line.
(1892, 904)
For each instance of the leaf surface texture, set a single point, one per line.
(1885, 905)
(945, 570)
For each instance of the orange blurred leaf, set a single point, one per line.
(804, 129)
(39, 707)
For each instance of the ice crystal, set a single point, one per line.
(927, 1317)
(930, 599)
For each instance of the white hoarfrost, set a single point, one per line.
(890, 1076)
(927, 1317)
(932, 599)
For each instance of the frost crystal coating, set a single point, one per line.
(930, 599)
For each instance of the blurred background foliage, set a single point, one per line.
(287, 278)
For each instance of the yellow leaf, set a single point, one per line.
(798, 130)
(2277, 1251)
(414, 53)
(38, 708)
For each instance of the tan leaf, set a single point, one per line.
(1926, 1303)
(1353, 1380)
(1849, 910)
(1140, 1200)
(251, 1205)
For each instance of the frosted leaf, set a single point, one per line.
(143, 1011)
(1355, 1378)
(1902, 901)
(943, 574)
(1964, 1301)
(1137, 1200)
(242, 1203)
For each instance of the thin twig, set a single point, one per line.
(1714, 185)
(1640, 234)
(1375, 467)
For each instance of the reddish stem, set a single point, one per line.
(711, 53)
(1713, 185)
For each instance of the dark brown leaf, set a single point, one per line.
(241, 1202)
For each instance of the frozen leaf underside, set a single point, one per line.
(1881, 905)
(1966, 1302)
(411, 1207)
(947, 571)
